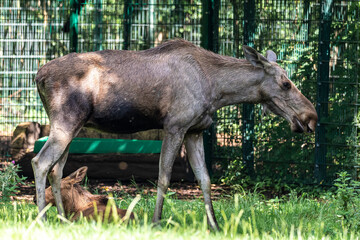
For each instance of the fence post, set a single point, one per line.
(248, 109)
(98, 28)
(75, 8)
(236, 26)
(210, 25)
(322, 89)
(151, 39)
(215, 25)
(209, 40)
(128, 8)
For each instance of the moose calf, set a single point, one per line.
(78, 201)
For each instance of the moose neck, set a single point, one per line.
(236, 81)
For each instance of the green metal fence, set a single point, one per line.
(30, 35)
(282, 26)
(317, 42)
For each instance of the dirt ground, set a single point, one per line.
(178, 190)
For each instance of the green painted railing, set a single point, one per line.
(101, 145)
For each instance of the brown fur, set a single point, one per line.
(78, 201)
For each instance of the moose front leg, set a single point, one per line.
(170, 147)
(195, 149)
(49, 156)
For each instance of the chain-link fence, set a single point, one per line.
(317, 42)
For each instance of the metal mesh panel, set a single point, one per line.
(283, 26)
(34, 32)
(148, 23)
(155, 21)
(342, 123)
(291, 29)
(228, 119)
(101, 25)
(31, 34)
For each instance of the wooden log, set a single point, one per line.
(122, 167)
(24, 138)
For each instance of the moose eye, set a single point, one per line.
(286, 85)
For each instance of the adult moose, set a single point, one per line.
(176, 86)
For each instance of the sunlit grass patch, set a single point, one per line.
(244, 216)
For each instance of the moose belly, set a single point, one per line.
(124, 121)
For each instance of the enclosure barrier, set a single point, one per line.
(317, 42)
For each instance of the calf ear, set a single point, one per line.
(255, 58)
(78, 175)
(271, 56)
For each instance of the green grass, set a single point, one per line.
(242, 216)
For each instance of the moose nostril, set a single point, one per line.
(311, 125)
(309, 130)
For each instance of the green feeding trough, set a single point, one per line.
(101, 145)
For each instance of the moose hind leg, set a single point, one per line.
(195, 149)
(46, 159)
(55, 177)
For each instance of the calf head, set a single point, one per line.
(74, 196)
(279, 95)
(78, 201)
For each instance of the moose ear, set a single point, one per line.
(78, 175)
(255, 58)
(271, 56)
